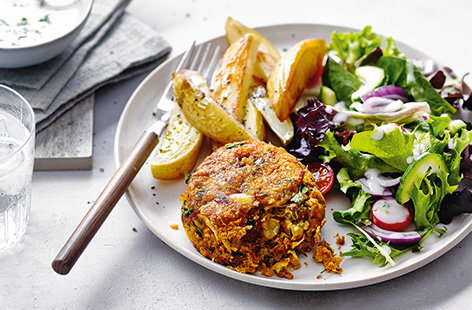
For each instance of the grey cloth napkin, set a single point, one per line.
(130, 48)
(112, 46)
(48, 92)
(103, 12)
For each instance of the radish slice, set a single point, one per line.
(394, 237)
(388, 214)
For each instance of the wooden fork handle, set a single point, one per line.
(102, 207)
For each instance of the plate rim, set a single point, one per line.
(272, 281)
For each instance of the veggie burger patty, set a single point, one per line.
(253, 207)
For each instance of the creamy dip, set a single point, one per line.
(30, 22)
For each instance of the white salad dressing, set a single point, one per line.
(355, 121)
(28, 22)
(381, 130)
(376, 105)
(340, 117)
(375, 183)
(419, 150)
(374, 177)
(410, 74)
(451, 144)
(378, 134)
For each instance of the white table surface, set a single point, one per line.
(124, 269)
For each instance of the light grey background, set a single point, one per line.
(123, 269)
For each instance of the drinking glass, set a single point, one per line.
(17, 129)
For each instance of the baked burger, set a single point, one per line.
(253, 207)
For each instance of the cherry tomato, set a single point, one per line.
(388, 214)
(324, 175)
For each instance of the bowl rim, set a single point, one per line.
(79, 25)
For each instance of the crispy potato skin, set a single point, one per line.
(234, 76)
(267, 56)
(192, 94)
(238, 209)
(254, 122)
(293, 73)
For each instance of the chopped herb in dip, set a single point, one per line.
(29, 23)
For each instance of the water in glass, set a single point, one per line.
(16, 165)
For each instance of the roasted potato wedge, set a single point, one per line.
(253, 121)
(293, 73)
(259, 98)
(267, 55)
(231, 82)
(178, 149)
(192, 94)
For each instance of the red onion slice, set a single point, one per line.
(394, 237)
(388, 91)
(375, 105)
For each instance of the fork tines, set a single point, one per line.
(204, 59)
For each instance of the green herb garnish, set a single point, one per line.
(232, 146)
(363, 247)
(187, 176)
(23, 22)
(45, 19)
(187, 211)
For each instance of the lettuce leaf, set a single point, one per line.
(395, 70)
(402, 73)
(418, 86)
(387, 148)
(343, 82)
(453, 157)
(355, 161)
(351, 46)
(361, 200)
(363, 247)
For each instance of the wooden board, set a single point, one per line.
(67, 144)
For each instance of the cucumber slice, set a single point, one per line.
(371, 76)
(327, 96)
(416, 172)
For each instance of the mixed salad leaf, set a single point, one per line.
(385, 122)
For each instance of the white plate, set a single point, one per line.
(158, 217)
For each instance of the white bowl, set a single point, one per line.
(42, 50)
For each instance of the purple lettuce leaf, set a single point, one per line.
(311, 124)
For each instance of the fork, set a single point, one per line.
(200, 58)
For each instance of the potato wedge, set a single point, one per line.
(284, 130)
(178, 149)
(253, 121)
(192, 94)
(293, 73)
(231, 82)
(267, 55)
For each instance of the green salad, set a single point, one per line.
(385, 124)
